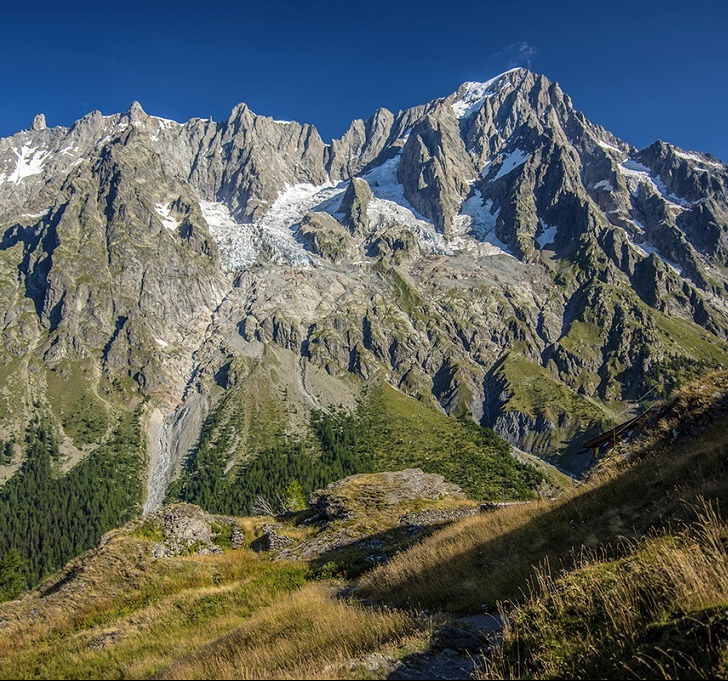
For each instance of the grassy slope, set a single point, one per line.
(74, 401)
(308, 635)
(402, 432)
(536, 392)
(657, 611)
(118, 613)
(489, 558)
(653, 606)
(388, 431)
(605, 373)
(162, 608)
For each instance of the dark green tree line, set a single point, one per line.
(339, 444)
(49, 519)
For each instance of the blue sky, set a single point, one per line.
(644, 70)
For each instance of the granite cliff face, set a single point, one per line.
(492, 252)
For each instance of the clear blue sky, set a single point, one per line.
(644, 70)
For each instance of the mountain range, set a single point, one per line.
(492, 254)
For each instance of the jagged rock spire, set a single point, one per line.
(39, 122)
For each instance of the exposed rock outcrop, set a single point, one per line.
(344, 497)
(371, 516)
(354, 205)
(188, 529)
(323, 235)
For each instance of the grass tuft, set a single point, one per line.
(659, 611)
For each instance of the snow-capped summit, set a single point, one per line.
(470, 96)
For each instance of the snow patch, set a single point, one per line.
(389, 208)
(384, 213)
(606, 185)
(547, 236)
(697, 159)
(611, 147)
(37, 216)
(161, 343)
(165, 215)
(30, 162)
(166, 122)
(384, 184)
(478, 219)
(645, 248)
(632, 168)
(475, 96)
(636, 174)
(510, 162)
(472, 230)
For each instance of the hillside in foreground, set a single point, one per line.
(50, 515)
(624, 574)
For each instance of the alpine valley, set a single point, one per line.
(231, 313)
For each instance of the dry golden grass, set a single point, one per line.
(251, 526)
(659, 611)
(309, 635)
(490, 557)
(449, 571)
(124, 615)
(118, 613)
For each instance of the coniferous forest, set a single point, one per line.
(339, 444)
(46, 519)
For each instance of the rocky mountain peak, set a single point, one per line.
(39, 122)
(136, 113)
(470, 96)
(239, 111)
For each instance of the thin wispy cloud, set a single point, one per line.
(516, 54)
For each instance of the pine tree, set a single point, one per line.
(13, 576)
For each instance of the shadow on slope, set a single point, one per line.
(647, 484)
